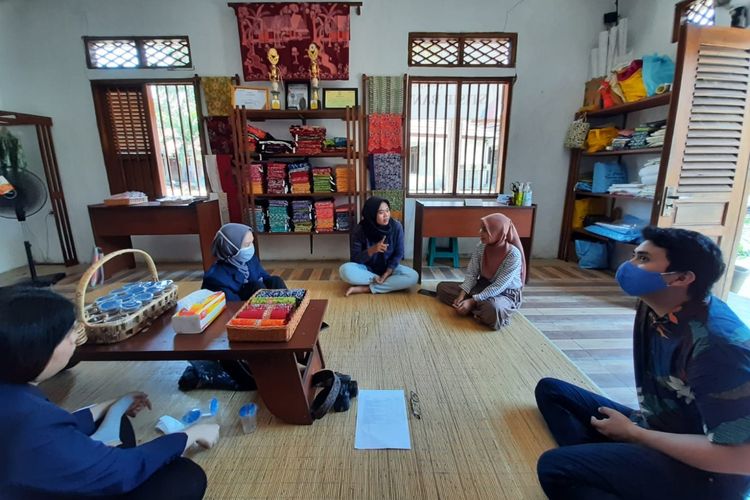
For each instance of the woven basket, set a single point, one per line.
(268, 333)
(126, 327)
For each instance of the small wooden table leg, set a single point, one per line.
(280, 384)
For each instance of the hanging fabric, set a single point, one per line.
(290, 28)
(385, 95)
(218, 93)
(219, 135)
(385, 133)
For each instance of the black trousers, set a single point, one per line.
(180, 479)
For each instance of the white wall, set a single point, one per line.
(41, 45)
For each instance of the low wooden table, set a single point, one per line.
(285, 390)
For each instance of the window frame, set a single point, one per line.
(459, 80)
(462, 38)
(680, 9)
(139, 44)
(99, 86)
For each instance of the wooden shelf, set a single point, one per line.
(625, 152)
(325, 154)
(295, 114)
(649, 102)
(613, 196)
(301, 195)
(599, 237)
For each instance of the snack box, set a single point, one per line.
(196, 311)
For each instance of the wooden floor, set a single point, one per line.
(582, 312)
(479, 437)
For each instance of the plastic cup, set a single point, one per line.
(249, 418)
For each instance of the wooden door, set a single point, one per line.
(706, 150)
(125, 129)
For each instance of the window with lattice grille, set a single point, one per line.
(700, 12)
(463, 49)
(138, 52)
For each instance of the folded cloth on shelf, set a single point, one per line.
(344, 217)
(625, 230)
(302, 216)
(322, 180)
(343, 179)
(649, 179)
(630, 188)
(324, 216)
(275, 147)
(583, 186)
(278, 216)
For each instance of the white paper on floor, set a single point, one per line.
(382, 422)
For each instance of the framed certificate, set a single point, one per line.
(250, 97)
(339, 98)
(297, 95)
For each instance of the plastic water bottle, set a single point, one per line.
(249, 418)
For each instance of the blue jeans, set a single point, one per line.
(590, 466)
(357, 274)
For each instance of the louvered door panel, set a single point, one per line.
(706, 153)
(127, 140)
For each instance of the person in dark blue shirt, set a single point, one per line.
(377, 247)
(690, 438)
(239, 274)
(47, 452)
(237, 271)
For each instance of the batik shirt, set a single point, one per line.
(692, 371)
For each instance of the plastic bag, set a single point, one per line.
(215, 375)
(575, 138)
(606, 174)
(599, 138)
(592, 255)
(657, 70)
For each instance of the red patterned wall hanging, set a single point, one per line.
(290, 28)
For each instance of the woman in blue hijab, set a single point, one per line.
(237, 271)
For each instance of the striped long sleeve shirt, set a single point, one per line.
(507, 276)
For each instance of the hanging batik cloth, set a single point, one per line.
(11, 152)
(385, 94)
(290, 28)
(218, 92)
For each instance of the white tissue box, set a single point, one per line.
(196, 311)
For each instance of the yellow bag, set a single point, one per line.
(587, 206)
(599, 138)
(633, 87)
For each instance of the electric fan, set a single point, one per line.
(27, 197)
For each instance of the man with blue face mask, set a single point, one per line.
(690, 438)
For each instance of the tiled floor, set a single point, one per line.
(584, 313)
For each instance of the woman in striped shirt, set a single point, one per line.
(491, 291)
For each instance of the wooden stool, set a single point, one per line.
(434, 252)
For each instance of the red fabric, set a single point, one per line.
(628, 72)
(229, 186)
(385, 133)
(502, 234)
(290, 28)
(219, 135)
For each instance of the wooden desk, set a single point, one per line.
(286, 392)
(113, 227)
(451, 219)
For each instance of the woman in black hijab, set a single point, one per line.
(377, 247)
